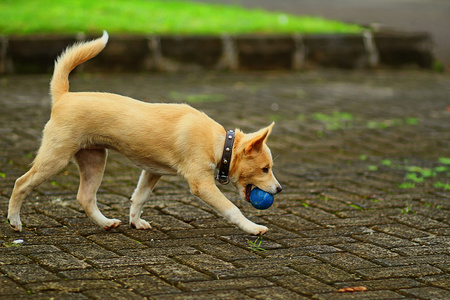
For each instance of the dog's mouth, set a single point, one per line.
(248, 190)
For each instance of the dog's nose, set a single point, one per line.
(279, 189)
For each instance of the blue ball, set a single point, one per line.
(260, 199)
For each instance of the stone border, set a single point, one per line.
(138, 53)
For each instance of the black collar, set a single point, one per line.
(222, 175)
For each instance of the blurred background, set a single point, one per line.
(431, 16)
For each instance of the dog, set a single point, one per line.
(161, 139)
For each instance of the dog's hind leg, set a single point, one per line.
(143, 190)
(91, 164)
(49, 161)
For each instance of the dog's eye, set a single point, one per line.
(265, 170)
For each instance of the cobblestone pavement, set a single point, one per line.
(363, 158)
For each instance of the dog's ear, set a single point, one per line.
(258, 139)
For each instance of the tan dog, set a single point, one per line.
(161, 139)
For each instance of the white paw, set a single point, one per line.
(140, 224)
(258, 230)
(15, 223)
(111, 223)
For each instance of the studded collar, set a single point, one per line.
(224, 169)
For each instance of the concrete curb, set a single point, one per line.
(36, 54)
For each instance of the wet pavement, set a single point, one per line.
(364, 160)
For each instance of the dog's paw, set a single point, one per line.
(258, 230)
(140, 224)
(112, 223)
(15, 223)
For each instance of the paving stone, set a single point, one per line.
(336, 224)
(330, 205)
(54, 240)
(413, 260)
(423, 250)
(325, 273)
(381, 284)
(124, 261)
(115, 241)
(362, 295)
(104, 273)
(166, 223)
(440, 231)
(204, 262)
(238, 283)
(36, 220)
(211, 223)
(342, 231)
(437, 280)
(273, 293)
(419, 221)
(402, 271)
(433, 240)
(299, 251)
(383, 212)
(219, 294)
(332, 240)
(142, 235)
(9, 287)
(148, 285)
(168, 251)
(14, 259)
(291, 222)
(302, 284)
(227, 252)
(28, 273)
(255, 271)
(401, 231)
(171, 243)
(49, 295)
(177, 273)
(427, 293)
(197, 233)
(244, 241)
(384, 240)
(276, 261)
(71, 285)
(187, 213)
(361, 221)
(86, 251)
(59, 261)
(311, 213)
(366, 250)
(113, 294)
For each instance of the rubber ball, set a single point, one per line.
(260, 199)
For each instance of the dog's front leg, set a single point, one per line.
(207, 190)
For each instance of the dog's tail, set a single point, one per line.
(72, 57)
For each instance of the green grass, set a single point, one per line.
(24, 17)
(415, 175)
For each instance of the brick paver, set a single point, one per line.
(363, 159)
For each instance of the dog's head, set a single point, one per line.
(252, 163)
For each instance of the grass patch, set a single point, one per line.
(256, 245)
(392, 123)
(157, 17)
(196, 98)
(418, 175)
(335, 121)
(407, 209)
